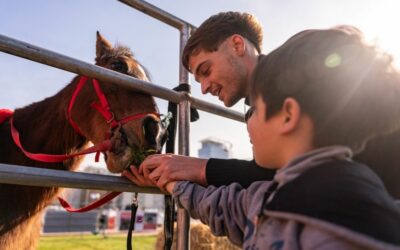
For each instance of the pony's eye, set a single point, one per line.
(119, 66)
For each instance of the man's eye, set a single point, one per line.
(249, 113)
(205, 72)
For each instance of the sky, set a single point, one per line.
(69, 27)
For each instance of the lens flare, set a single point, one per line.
(333, 60)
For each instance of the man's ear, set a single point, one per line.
(238, 43)
(290, 115)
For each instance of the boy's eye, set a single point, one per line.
(249, 113)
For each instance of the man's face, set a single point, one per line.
(222, 73)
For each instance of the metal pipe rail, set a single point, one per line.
(44, 56)
(158, 13)
(30, 176)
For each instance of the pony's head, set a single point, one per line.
(134, 139)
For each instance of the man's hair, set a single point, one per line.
(349, 89)
(218, 28)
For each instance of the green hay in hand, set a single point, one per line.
(138, 156)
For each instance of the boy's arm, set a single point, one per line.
(223, 209)
(224, 172)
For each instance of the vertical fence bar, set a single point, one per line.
(183, 219)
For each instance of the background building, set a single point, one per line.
(215, 148)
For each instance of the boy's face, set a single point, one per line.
(263, 135)
(221, 73)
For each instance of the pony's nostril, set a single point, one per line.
(120, 141)
(151, 129)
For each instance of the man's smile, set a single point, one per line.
(216, 92)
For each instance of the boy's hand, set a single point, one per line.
(164, 168)
(137, 178)
(140, 180)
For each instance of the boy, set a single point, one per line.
(307, 97)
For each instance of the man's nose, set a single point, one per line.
(205, 86)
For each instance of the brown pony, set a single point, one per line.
(44, 128)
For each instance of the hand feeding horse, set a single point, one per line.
(86, 110)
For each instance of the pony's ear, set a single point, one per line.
(102, 46)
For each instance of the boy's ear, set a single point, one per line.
(290, 115)
(238, 44)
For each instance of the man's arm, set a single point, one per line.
(164, 168)
(224, 172)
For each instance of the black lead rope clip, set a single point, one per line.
(134, 206)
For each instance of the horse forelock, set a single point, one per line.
(121, 51)
(117, 52)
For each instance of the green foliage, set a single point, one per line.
(95, 242)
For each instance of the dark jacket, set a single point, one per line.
(321, 200)
(224, 172)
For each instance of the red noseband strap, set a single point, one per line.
(103, 107)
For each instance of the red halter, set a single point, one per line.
(104, 108)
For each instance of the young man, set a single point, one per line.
(307, 97)
(221, 54)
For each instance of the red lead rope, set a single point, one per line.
(103, 200)
(102, 147)
(5, 114)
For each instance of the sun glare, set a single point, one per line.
(381, 28)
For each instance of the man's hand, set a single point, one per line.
(137, 178)
(164, 168)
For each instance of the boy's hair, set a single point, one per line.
(217, 28)
(348, 88)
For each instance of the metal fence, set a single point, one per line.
(21, 175)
